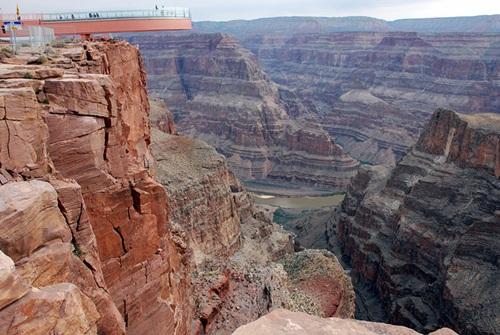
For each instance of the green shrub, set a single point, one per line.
(58, 43)
(76, 249)
(5, 52)
(42, 59)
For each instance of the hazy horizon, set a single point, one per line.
(218, 10)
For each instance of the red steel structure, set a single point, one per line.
(89, 23)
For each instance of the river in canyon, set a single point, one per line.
(298, 202)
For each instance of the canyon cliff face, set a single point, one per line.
(374, 91)
(218, 93)
(243, 265)
(425, 236)
(99, 237)
(93, 228)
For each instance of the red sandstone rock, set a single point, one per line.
(443, 331)
(42, 249)
(127, 209)
(283, 322)
(12, 287)
(115, 217)
(29, 218)
(29, 72)
(161, 117)
(23, 134)
(58, 309)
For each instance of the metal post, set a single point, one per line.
(13, 40)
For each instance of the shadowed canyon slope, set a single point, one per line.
(217, 92)
(425, 236)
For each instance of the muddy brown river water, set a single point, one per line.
(307, 202)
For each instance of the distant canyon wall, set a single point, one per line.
(372, 91)
(319, 25)
(218, 92)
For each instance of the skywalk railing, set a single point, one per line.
(166, 12)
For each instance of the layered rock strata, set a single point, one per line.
(218, 93)
(96, 225)
(374, 91)
(426, 235)
(318, 25)
(92, 242)
(233, 247)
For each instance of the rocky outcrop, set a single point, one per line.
(161, 117)
(318, 284)
(218, 93)
(283, 322)
(426, 235)
(374, 91)
(243, 263)
(94, 231)
(200, 188)
(233, 247)
(60, 308)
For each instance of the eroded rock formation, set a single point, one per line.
(425, 236)
(218, 93)
(99, 237)
(95, 225)
(374, 91)
(319, 285)
(233, 247)
(93, 242)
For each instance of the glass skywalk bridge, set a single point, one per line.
(88, 23)
(167, 12)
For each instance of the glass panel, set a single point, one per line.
(167, 12)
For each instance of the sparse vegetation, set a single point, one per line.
(42, 59)
(5, 52)
(76, 249)
(28, 75)
(49, 51)
(59, 43)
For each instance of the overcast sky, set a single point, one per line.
(248, 9)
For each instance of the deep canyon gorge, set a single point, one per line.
(124, 166)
